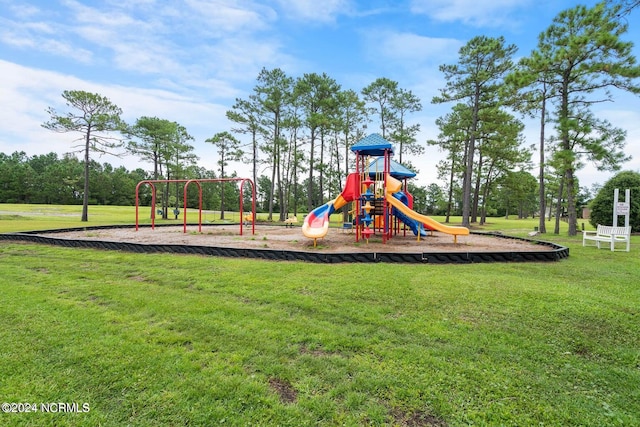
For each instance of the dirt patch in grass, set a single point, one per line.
(317, 352)
(284, 389)
(417, 419)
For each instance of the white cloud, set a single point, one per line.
(31, 91)
(41, 27)
(220, 18)
(243, 57)
(16, 39)
(413, 48)
(66, 50)
(478, 13)
(36, 36)
(324, 11)
(40, 35)
(411, 59)
(111, 18)
(201, 41)
(22, 10)
(186, 60)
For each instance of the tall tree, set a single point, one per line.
(380, 93)
(434, 199)
(535, 93)
(350, 125)
(454, 140)
(45, 186)
(316, 95)
(164, 144)
(518, 190)
(626, 6)
(248, 114)
(476, 80)
(17, 178)
(228, 148)
(583, 52)
(328, 120)
(352, 119)
(403, 103)
(273, 92)
(295, 156)
(149, 138)
(96, 118)
(179, 158)
(499, 152)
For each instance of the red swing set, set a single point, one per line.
(152, 183)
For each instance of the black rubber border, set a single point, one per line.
(557, 253)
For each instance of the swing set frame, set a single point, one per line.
(152, 183)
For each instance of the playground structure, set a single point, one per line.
(381, 200)
(381, 203)
(365, 193)
(152, 183)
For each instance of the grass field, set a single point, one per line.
(168, 340)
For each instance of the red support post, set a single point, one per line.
(198, 182)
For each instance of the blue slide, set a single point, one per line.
(414, 225)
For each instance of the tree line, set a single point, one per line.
(54, 179)
(297, 132)
(579, 59)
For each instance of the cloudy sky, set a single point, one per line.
(187, 61)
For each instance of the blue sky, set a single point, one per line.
(188, 60)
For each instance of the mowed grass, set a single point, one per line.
(167, 340)
(18, 217)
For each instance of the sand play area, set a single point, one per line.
(292, 239)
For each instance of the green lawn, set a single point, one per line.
(168, 340)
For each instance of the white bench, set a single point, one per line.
(609, 234)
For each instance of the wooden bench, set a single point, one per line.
(609, 234)
(289, 222)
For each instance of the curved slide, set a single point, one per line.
(316, 224)
(423, 219)
(394, 187)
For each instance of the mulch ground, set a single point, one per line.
(291, 238)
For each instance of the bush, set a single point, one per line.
(602, 204)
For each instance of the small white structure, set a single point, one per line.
(621, 208)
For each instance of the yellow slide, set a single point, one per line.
(429, 222)
(393, 185)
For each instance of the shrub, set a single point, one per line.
(602, 204)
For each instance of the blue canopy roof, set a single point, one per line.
(396, 169)
(372, 145)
